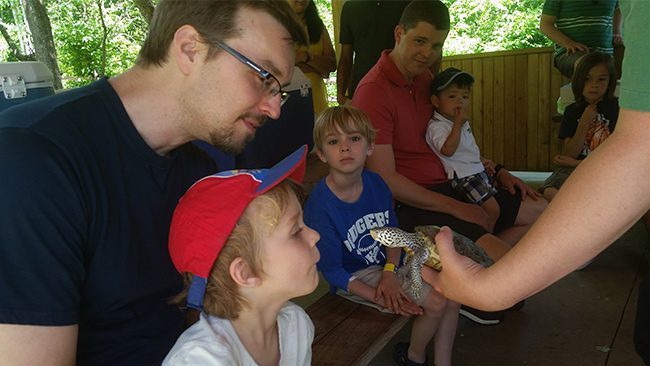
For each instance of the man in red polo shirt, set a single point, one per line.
(395, 94)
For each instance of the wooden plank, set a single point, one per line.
(488, 87)
(498, 94)
(521, 111)
(543, 114)
(509, 120)
(521, 51)
(349, 333)
(556, 83)
(532, 131)
(328, 312)
(477, 102)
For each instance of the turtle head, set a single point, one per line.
(391, 237)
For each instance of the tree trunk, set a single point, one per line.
(39, 26)
(102, 70)
(146, 9)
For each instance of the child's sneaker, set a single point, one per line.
(401, 356)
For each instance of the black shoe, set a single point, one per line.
(400, 356)
(480, 316)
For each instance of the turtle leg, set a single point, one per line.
(416, 274)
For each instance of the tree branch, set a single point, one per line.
(102, 70)
(13, 47)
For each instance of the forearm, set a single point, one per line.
(573, 145)
(451, 144)
(393, 255)
(343, 72)
(382, 161)
(575, 226)
(617, 22)
(325, 62)
(38, 345)
(321, 64)
(362, 290)
(548, 28)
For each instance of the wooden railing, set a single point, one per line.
(513, 103)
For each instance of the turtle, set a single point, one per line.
(421, 249)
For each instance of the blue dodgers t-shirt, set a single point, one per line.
(345, 243)
(84, 218)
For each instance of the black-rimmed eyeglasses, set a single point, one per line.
(270, 84)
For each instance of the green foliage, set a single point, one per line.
(325, 12)
(493, 25)
(11, 16)
(477, 26)
(78, 36)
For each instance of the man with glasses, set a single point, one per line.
(91, 177)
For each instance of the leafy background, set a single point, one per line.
(477, 26)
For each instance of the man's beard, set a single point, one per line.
(226, 142)
(224, 139)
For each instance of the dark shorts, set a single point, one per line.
(565, 63)
(409, 217)
(476, 188)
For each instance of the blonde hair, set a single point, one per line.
(346, 118)
(222, 296)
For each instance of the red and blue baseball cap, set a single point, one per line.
(207, 213)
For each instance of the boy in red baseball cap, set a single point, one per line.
(240, 241)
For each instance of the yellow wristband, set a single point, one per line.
(390, 267)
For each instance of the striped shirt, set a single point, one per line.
(585, 21)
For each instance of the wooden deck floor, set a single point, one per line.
(587, 318)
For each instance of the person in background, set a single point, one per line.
(587, 122)
(239, 240)
(317, 60)
(395, 95)
(366, 29)
(343, 207)
(450, 136)
(91, 177)
(580, 26)
(595, 206)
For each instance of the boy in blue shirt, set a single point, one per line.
(343, 207)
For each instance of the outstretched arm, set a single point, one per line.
(562, 239)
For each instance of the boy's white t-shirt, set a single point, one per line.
(213, 341)
(466, 160)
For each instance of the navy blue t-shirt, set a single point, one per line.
(85, 208)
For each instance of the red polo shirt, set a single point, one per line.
(400, 111)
